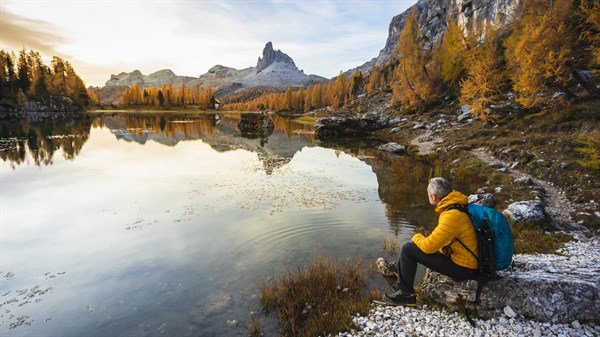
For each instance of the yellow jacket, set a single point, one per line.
(451, 225)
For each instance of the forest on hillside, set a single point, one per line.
(26, 78)
(547, 56)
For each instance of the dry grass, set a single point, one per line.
(253, 325)
(390, 244)
(317, 299)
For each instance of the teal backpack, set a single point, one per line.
(494, 237)
(495, 244)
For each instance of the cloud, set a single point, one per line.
(17, 32)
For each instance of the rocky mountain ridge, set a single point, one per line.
(274, 68)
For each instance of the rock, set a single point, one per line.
(420, 126)
(270, 56)
(524, 181)
(255, 125)
(485, 199)
(395, 121)
(556, 299)
(508, 311)
(333, 127)
(394, 148)
(395, 130)
(464, 113)
(531, 210)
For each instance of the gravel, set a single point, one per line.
(425, 321)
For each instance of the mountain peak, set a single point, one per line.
(270, 56)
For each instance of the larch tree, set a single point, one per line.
(414, 82)
(452, 54)
(539, 54)
(590, 13)
(485, 73)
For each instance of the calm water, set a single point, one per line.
(162, 225)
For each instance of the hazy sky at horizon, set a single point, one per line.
(107, 37)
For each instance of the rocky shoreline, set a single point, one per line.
(578, 259)
(47, 108)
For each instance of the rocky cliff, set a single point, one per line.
(434, 16)
(274, 68)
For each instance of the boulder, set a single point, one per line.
(550, 288)
(333, 127)
(394, 148)
(255, 125)
(530, 210)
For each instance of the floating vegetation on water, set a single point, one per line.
(286, 189)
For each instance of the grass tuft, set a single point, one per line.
(253, 325)
(390, 244)
(317, 299)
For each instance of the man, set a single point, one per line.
(443, 250)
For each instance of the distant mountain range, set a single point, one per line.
(277, 69)
(273, 69)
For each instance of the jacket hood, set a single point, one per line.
(452, 198)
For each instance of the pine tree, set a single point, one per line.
(24, 70)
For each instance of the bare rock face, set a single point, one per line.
(270, 56)
(434, 16)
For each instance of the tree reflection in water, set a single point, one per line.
(41, 140)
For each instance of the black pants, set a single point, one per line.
(411, 255)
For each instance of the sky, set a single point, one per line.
(104, 37)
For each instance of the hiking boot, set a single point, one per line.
(386, 268)
(400, 298)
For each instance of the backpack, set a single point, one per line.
(494, 240)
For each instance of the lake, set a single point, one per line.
(163, 224)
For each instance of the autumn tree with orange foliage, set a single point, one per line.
(168, 96)
(539, 52)
(485, 76)
(416, 82)
(590, 14)
(452, 52)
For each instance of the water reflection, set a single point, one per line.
(141, 240)
(41, 141)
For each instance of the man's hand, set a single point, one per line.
(422, 230)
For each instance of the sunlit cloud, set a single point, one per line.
(17, 32)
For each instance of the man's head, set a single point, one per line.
(437, 189)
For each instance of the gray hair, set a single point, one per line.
(441, 187)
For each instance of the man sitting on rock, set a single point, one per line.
(443, 250)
